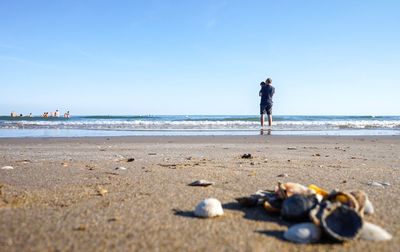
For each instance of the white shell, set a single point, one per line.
(368, 208)
(303, 233)
(7, 167)
(209, 208)
(120, 168)
(373, 232)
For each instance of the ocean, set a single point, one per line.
(159, 125)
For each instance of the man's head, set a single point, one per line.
(268, 81)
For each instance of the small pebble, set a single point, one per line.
(247, 156)
(283, 175)
(291, 148)
(102, 191)
(130, 160)
(7, 167)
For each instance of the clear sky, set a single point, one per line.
(337, 57)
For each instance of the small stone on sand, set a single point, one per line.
(7, 167)
(283, 175)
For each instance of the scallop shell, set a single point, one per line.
(373, 232)
(209, 208)
(303, 233)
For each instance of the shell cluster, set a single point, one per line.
(336, 215)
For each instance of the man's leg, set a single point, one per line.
(262, 120)
(270, 120)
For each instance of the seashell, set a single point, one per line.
(368, 208)
(7, 167)
(209, 208)
(293, 188)
(273, 206)
(374, 183)
(201, 182)
(120, 168)
(361, 198)
(344, 198)
(340, 222)
(373, 232)
(303, 233)
(318, 190)
(298, 207)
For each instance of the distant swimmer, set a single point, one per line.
(66, 114)
(13, 114)
(57, 113)
(45, 114)
(266, 93)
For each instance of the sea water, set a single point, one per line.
(156, 125)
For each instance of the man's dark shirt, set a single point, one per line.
(267, 91)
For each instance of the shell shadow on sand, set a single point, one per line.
(257, 213)
(183, 213)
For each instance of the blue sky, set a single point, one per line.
(199, 57)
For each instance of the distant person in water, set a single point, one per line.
(66, 114)
(266, 93)
(13, 114)
(57, 113)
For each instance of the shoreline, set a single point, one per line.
(66, 193)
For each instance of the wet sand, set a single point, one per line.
(66, 195)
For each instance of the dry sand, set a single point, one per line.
(65, 194)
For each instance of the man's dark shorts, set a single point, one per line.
(266, 108)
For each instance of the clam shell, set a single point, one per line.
(303, 233)
(373, 232)
(209, 208)
(298, 207)
(340, 222)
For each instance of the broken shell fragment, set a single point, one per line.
(303, 233)
(7, 167)
(340, 222)
(318, 190)
(298, 207)
(373, 232)
(201, 182)
(209, 208)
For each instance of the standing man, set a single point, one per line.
(266, 93)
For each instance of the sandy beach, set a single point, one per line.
(65, 194)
